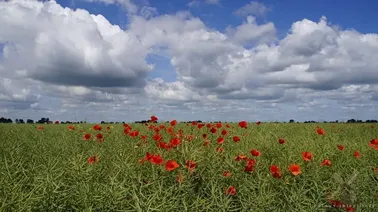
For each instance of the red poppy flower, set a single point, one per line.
(243, 124)
(171, 165)
(307, 156)
(87, 136)
(100, 137)
(157, 137)
(204, 135)
(219, 149)
(163, 145)
(340, 147)
(154, 118)
(224, 132)
(134, 133)
(326, 162)
(320, 131)
(213, 130)
(374, 143)
(258, 122)
(374, 146)
(250, 165)
(220, 140)
(218, 125)
(156, 159)
(255, 152)
(40, 128)
(71, 127)
(226, 174)
(190, 164)
(97, 127)
(173, 123)
(281, 141)
(93, 159)
(175, 142)
(276, 173)
(240, 157)
(148, 156)
(236, 138)
(357, 154)
(170, 130)
(230, 191)
(295, 169)
(56, 122)
(190, 137)
(336, 203)
(206, 143)
(349, 208)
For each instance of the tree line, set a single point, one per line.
(48, 121)
(31, 121)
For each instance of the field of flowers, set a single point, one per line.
(189, 167)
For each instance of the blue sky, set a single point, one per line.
(359, 15)
(183, 59)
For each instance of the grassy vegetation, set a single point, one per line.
(48, 169)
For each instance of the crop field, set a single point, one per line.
(189, 167)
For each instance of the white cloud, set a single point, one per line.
(176, 91)
(250, 32)
(62, 46)
(253, 8)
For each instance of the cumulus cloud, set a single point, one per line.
(250, 32)
(316, 66)
(62, 46)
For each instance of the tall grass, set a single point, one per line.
(48, 170)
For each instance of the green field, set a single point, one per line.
(48, 169)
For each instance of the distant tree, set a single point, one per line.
(30, 121)
(5, 120)
(43, 121)
(351, 121)
(21, 121)
(291, 121)
(371, 121)
(102, 122)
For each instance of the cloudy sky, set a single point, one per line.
(125, 60)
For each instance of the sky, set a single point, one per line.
(209, 60)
